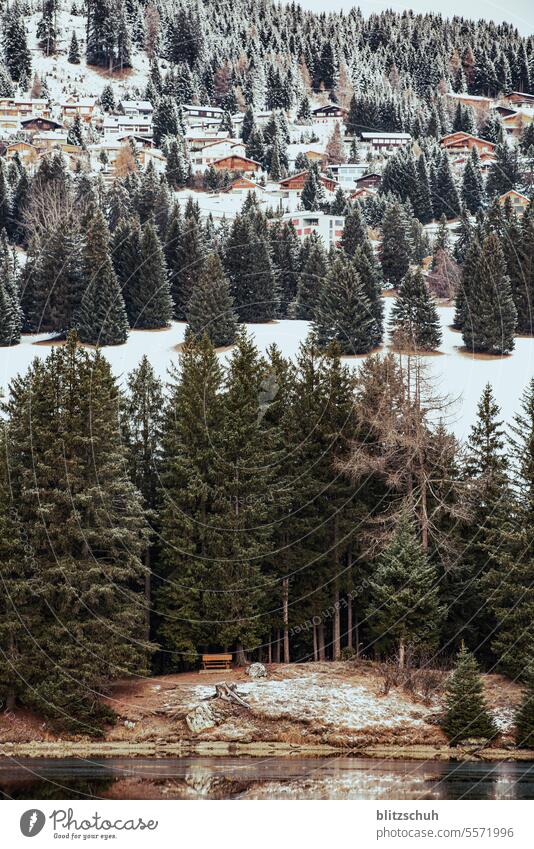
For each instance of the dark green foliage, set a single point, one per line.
(74, 50)
(472, 184)
(467, 716)
(147, 294)
(446, 200)
(84, 532)
(311, 279)
(285, 258)
(101, 319)
(211, 310)
(489, 314)
(313, 194)
(405, 606)
(414, 321)
(343, 312)
(504, 171)
(395, 250)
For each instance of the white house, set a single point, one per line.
(329, 227)
(385, 142)
(347, 173)
(116, 125)
(211, 152)
(137, 108)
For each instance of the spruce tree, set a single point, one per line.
(185, 254)
(414, 322)
(312, 196)
(74, 50)
(101, 319)
(85, 533)
(395, 249)
(446, 200)
(285, 257)
(405, 608)
(466, 715)
(10, 316)
(148, 293)
(354, 232)
(490, 317)
(472, 185)
(343, 312)
(366, 265)
(311, 280)
(210, 310)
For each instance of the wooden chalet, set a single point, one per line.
(517, 201)
(243, 185)
(25, 151)
(363, 194)
(38, 124)
(85, 107)
(516, 123)
(234, 162)
(479, 103)
(17, 107)
(368, 181)
(461, 141)
(330, 112)
(296, 182)
(518, 98)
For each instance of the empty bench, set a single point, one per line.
(215, 662)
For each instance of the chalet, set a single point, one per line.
(25, 151)
(235, 162)
(368, 181)
(516, 123)
(518, 99)
(85, 107)
(517, 201)
(37, 124)
(385, 142)
(198, 140)
(328, 227)
(313, 152)
(17, 107)
(295, 183)
(477, 102)
(136, 108)
(243, 185)
(462, 142)
(116, 125)
(363, 194)
(199, 114)
(215, 150)
(330, 112)
(49, 140)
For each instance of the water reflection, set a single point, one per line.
(256, 778)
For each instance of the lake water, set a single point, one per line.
(262, 778)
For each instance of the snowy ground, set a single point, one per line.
(458, 374)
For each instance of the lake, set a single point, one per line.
(262, 778)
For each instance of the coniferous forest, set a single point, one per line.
(282, 509)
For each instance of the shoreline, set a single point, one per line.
(66, 749)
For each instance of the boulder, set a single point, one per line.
(257, 670)
(200, 718)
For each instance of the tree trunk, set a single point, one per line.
(148, 593)
(270, 649)
(315, 648)
(285, 605)
(240, 656)
(357, 634)
(277, 646)
(10, 699)
(349, 623)
(336, 627)
(401, 653)
(322, 653)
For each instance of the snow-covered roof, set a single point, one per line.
(380, 135)
(141, 105)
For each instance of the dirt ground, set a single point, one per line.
(335, 704)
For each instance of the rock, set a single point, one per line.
(257, 670)
(200, 718)
(129, 724)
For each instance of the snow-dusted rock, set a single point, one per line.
(257, 670)
(200, 718)
(129, 724)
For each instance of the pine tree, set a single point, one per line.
(75, 134)
(472, 185)
(395, 250)
(446, 200)
(187, 251)
(17, 55)
(85, 532)
(504, 172)
(343, 312)
(467, 716)
(405, 606)
(520, 265)
(312, 196)
(414, 322)
(524, 716)
(57, 282)
(285, 257)
(210, 310)
(354, 232)
(509, 586)
(74, 50)
(311, 280)
(489, 314)
(166, 120)
(107, 98)
(102, 316)
(148, 292)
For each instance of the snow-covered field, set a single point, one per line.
(460, 375)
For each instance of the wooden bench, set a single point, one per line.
(215, 662)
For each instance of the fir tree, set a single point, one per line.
(490, 316)
(395, 250)
(405, 606)
(102, 316)
(17, 55)
(210, 310)
(414, 321)
(311, 280)
(148, 293)
(467, 716)
(446, 200)
(343, 312)
(472, 185)
(74, 50)
(312, 196)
